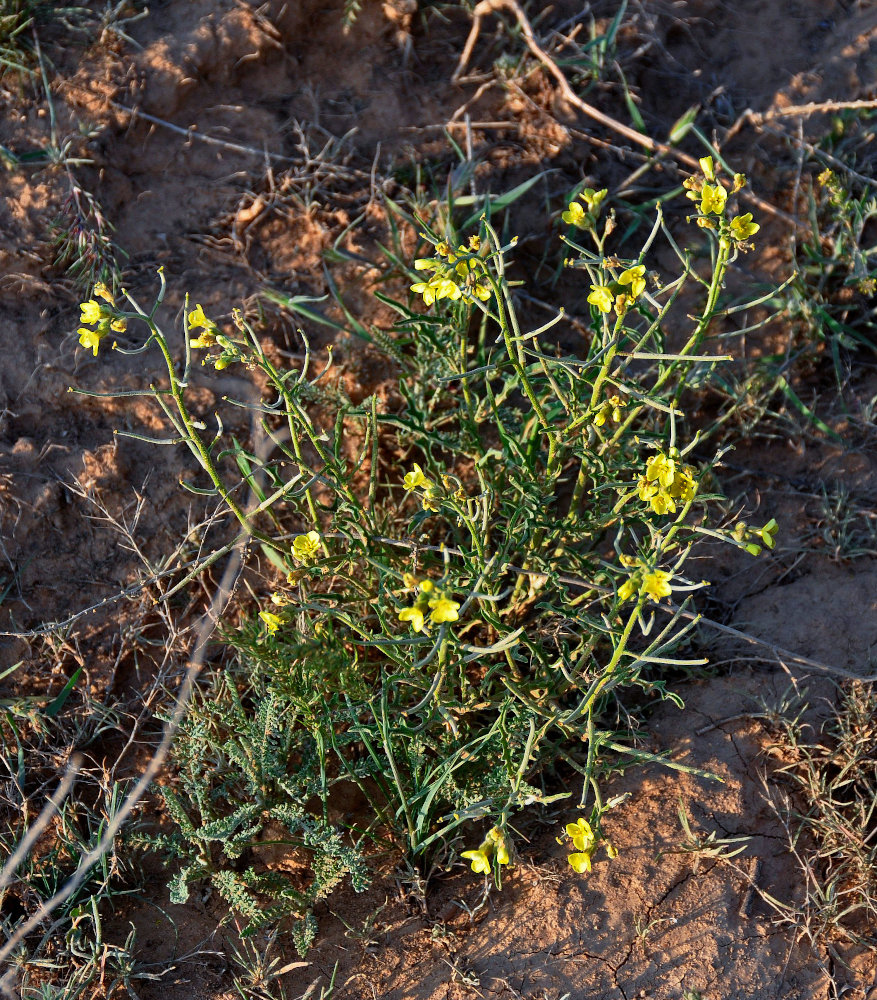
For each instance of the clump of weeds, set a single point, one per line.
(825, 793)
(834, 293)
(471, 584)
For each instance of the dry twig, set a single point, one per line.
(486, 7)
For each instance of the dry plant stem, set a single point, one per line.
(486, 7)
(42, 821)
(824, 155)
(190, 133)
(758, 118)
(105, 844)
(209, 621)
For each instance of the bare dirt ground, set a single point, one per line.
(331, 122)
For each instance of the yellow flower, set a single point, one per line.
(205, 338)
(712, 199)
(416, 479)
(102, 292)
(91, 312)
(742, 227)
(272, 622)
(306, 547)
(90, 338)
(663, 503)
(611, 850)
(601, 296)
(197, 318)
(661, 469)
(616, 403)
(656, 583)
(593, 199)
(580, 862)
(481, 290)
(496, 842)
(633, 276)
(474, 243)
(443, 610)
(413, 615)
(581, 833)
(480, 861)
(684, 487)
(706, 166)
(425, 264)
(430, 500)
(428, 289)
(646, 489)
(627, 589)
(448, 289)
(574, 215)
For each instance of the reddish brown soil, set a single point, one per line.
(283, 80)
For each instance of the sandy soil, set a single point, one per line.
(332, 120)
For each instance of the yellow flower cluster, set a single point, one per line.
(437, 605)
(620, 294)
(456, 274)
(585, 842)
(609, 408)
(272, 621)
(208, 337)
(654, 583)
(493, 847)
(577, 216)
(102, 317)
(198, 321)
(713, 197)
(416, 480)
(664, 482)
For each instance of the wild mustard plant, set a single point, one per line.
(458, 619)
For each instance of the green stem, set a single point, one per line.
(616, 656)
(194, 439)
(691, 344)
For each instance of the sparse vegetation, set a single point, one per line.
(825, 790)
(450, 439)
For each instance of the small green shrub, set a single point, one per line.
(476, 585)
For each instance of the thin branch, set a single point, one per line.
(647, 142)
(41, 822)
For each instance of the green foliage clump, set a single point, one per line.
(478, 584)
(247, 767)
